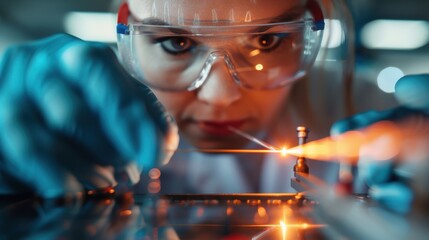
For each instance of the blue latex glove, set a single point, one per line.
(70, 117)
(389, 181)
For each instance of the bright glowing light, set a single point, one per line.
(259, 67)
(284, 229)
(388, 77)
(262, 212)
(333, 35)
(91, 26)
(296, 151)
(261, 216)
(283, 151)
(125, 213)
(382, 141)
(254, 53)
(154, 173)
(200, 212)
(395, 34)
(154, 187)
(229, 211)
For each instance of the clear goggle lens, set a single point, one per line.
(262, 56)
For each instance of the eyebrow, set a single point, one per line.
(159, 22)
(291, 15)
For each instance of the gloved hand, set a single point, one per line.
(72, 118)
(389, 180)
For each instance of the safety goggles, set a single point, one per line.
(257, 56)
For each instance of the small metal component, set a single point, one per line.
(302, 133)
(301, 165)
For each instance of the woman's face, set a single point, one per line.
(203, 115)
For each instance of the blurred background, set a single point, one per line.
(392, 36)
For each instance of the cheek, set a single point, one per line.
(173, 102)
(270, 104)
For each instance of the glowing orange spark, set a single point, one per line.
(259, 67)
(283, 151)
(284, 229)
(305, 225)
(379, 141)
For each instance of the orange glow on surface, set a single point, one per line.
(262, 212)
(229, 211)
(284, 229)
(126, 213)
(200, 212)
(154, 173)
(261, 216)
(255, 52)
(154, 187)
(304, 225)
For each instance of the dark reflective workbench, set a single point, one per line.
(217, 216)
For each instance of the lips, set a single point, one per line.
(219, 128)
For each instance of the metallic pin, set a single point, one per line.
(301, 165)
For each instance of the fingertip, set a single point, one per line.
(170, 144)
(413, 90)
(375, 171)
(77, 59)
(339, 127)
(153, 105)
(395, 196)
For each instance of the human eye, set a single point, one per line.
(267, 42)
(176, 45)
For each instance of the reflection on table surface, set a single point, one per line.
(217, 216)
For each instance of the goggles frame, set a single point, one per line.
(124, 29)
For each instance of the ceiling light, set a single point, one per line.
(395, 34)
(91, 26)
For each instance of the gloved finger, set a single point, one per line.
(375, 171)
(27, 149)
(356, 122)
(26, 138)
(413, 91)
(171, 142)
(366, 119)
(66, 112)
(61, 104)
(130, 113)
(395, 196)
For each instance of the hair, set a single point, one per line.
(313, 97)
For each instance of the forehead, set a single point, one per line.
(179, 12)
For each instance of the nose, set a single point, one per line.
(219, 89)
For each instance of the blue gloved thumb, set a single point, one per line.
(413, 91)
(395, 196)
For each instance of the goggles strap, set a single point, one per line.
(123, 14)
(316, 12)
